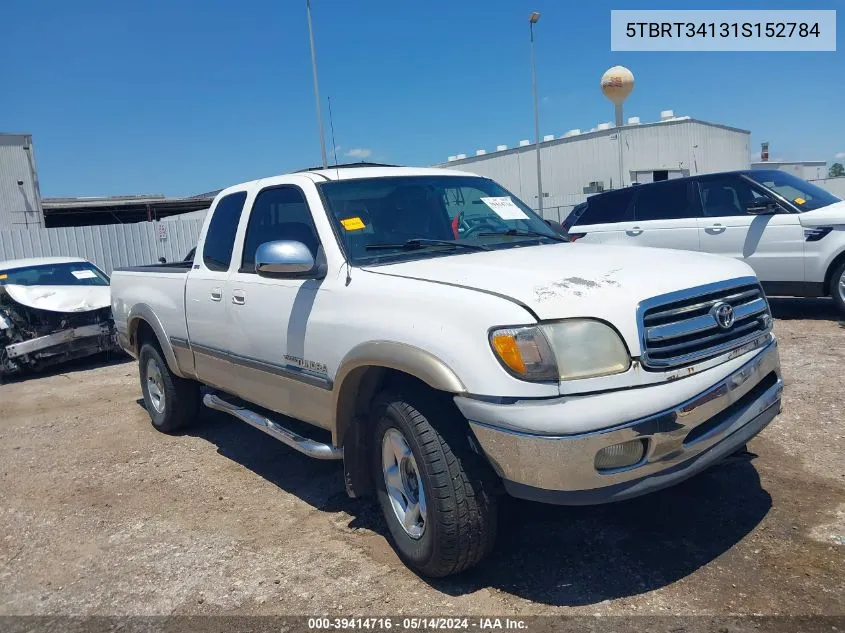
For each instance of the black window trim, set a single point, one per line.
(228, 265)
(251, 271)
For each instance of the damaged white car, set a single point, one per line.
(52, 310)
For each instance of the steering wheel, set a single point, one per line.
(473, 226)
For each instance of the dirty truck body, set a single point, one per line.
(52, 310)
(447, 345)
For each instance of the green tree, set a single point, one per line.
(836, 170)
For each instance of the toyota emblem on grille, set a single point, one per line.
(724, 315)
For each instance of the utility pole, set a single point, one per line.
(532, 20)
(316, 85)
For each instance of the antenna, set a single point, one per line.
(337, 174)
(334, 146)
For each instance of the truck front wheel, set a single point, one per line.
(436, 495)
(171, 401)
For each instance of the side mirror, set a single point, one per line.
(761, 207)
(284, 257)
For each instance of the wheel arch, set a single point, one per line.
(142, 321)
(363, 372)
(828, 276)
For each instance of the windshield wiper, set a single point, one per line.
(523, 233)
(420, 242)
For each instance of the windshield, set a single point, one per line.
(439, 215)
(65, 274)
(802, 194)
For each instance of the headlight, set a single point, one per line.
(565, 350)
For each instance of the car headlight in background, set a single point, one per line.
(564, 350)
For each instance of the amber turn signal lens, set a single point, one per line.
(507, 349)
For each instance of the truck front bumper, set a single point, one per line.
(677, 442)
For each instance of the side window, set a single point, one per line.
(220, 238)
(665, 201)
(278, 213)
(606, 208)
(726, 196)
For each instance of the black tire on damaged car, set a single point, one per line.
(458, 487)
(172, 402)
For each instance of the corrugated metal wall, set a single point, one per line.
(20, 205)
(570, 164)
(108, 246)
(836, 186)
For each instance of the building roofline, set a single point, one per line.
(789, 162)
(590, 134)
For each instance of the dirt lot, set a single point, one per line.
(100, 514)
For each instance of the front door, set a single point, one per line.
(772, 244)
(277, 366)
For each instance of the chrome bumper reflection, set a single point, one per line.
(748, 397)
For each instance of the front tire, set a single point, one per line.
(171, 401)
(437, 496)
(837, 288)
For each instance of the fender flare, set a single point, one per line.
(402, 357)
(143, 312)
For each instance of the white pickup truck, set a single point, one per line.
(430, 330)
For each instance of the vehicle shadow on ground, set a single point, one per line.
(788, 308)
(575, 556)
(549, 554)
(104, 359)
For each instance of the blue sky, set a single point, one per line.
(184, 96)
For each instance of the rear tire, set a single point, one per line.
(171, 401)
(442, 490)
(837, 288)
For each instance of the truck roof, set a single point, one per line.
(345, 172)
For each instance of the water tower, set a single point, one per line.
(616, 84)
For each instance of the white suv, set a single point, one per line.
(791, 232)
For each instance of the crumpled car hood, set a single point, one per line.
(61, 298)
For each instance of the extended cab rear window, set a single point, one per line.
(220, 238)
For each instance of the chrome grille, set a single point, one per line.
(682, 328)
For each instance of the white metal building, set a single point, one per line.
(581, 163)
(20, 196)
(806, 169)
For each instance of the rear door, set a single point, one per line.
(666, 216)
(206, 304)
(606, 218)
(772, 244)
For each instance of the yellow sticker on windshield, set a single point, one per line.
(353, 224)
(800, 201)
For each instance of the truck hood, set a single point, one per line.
(559, 281)
(61, 298)
(831, 215)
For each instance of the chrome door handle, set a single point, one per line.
(238, 298)
(715, 228)
(216, 294)
(635, 230)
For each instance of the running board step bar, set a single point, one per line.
(306, 446)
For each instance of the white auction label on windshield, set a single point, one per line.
(505, 208)
(84, 274)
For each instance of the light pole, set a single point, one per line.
(532, 20)
(316, 85)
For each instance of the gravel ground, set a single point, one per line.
(101, 515)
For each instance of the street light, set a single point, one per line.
(532, 20)
(316, 86)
